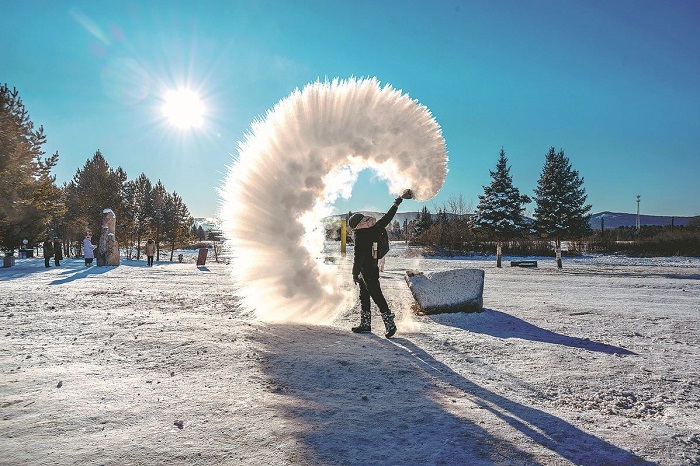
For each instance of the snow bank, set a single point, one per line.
(448, 291)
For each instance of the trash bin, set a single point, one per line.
(8, 261)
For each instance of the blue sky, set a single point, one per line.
(615, 84)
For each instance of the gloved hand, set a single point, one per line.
(356, 279)
(407, 194)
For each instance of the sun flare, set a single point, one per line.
(183, 108)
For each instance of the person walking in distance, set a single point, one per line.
(48, 251)
(88, 250)
(150, 251)
(365, 269)
(57, 251)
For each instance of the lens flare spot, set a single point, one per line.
(183, 108)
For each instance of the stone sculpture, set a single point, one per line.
(108, 249)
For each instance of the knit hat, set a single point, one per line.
(355, 219)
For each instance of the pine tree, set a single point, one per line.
(442, 217)
(423, 221)
(139, 208)
(158, 222)
(29, 198)
(501, 207)
(561, 201)
(94, 188)
(396, 230)
(177, 221)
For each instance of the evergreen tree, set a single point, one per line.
(501, 207)
(423, 221)
(215, 236)
(396, 230)
(158, 222)
(29, 198)
(442, 217)
(139, 208)
(94, 188)
(561, 210)
(441, 227)
(177, 221)
(73, 225)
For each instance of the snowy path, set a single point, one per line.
(596, 364)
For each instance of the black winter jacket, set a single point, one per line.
(363, 261)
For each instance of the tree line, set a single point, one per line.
(33, 207)
(561, 213)
(649, 240)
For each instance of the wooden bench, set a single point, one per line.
(523, 263)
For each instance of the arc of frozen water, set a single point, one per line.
(294, 163)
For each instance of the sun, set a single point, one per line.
(183, 108)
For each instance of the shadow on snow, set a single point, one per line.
(368, 400)
(501, 325)
(70, 269)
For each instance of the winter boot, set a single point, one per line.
(365, 322)
(389, 324)
(362, 329)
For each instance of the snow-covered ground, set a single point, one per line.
(598, 363)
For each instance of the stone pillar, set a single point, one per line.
(108, 249)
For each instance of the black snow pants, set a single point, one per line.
(370, 288)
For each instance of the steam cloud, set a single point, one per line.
(294, 163)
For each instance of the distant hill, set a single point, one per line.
(617, 219)
(612, 219)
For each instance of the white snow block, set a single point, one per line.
(459, 290)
